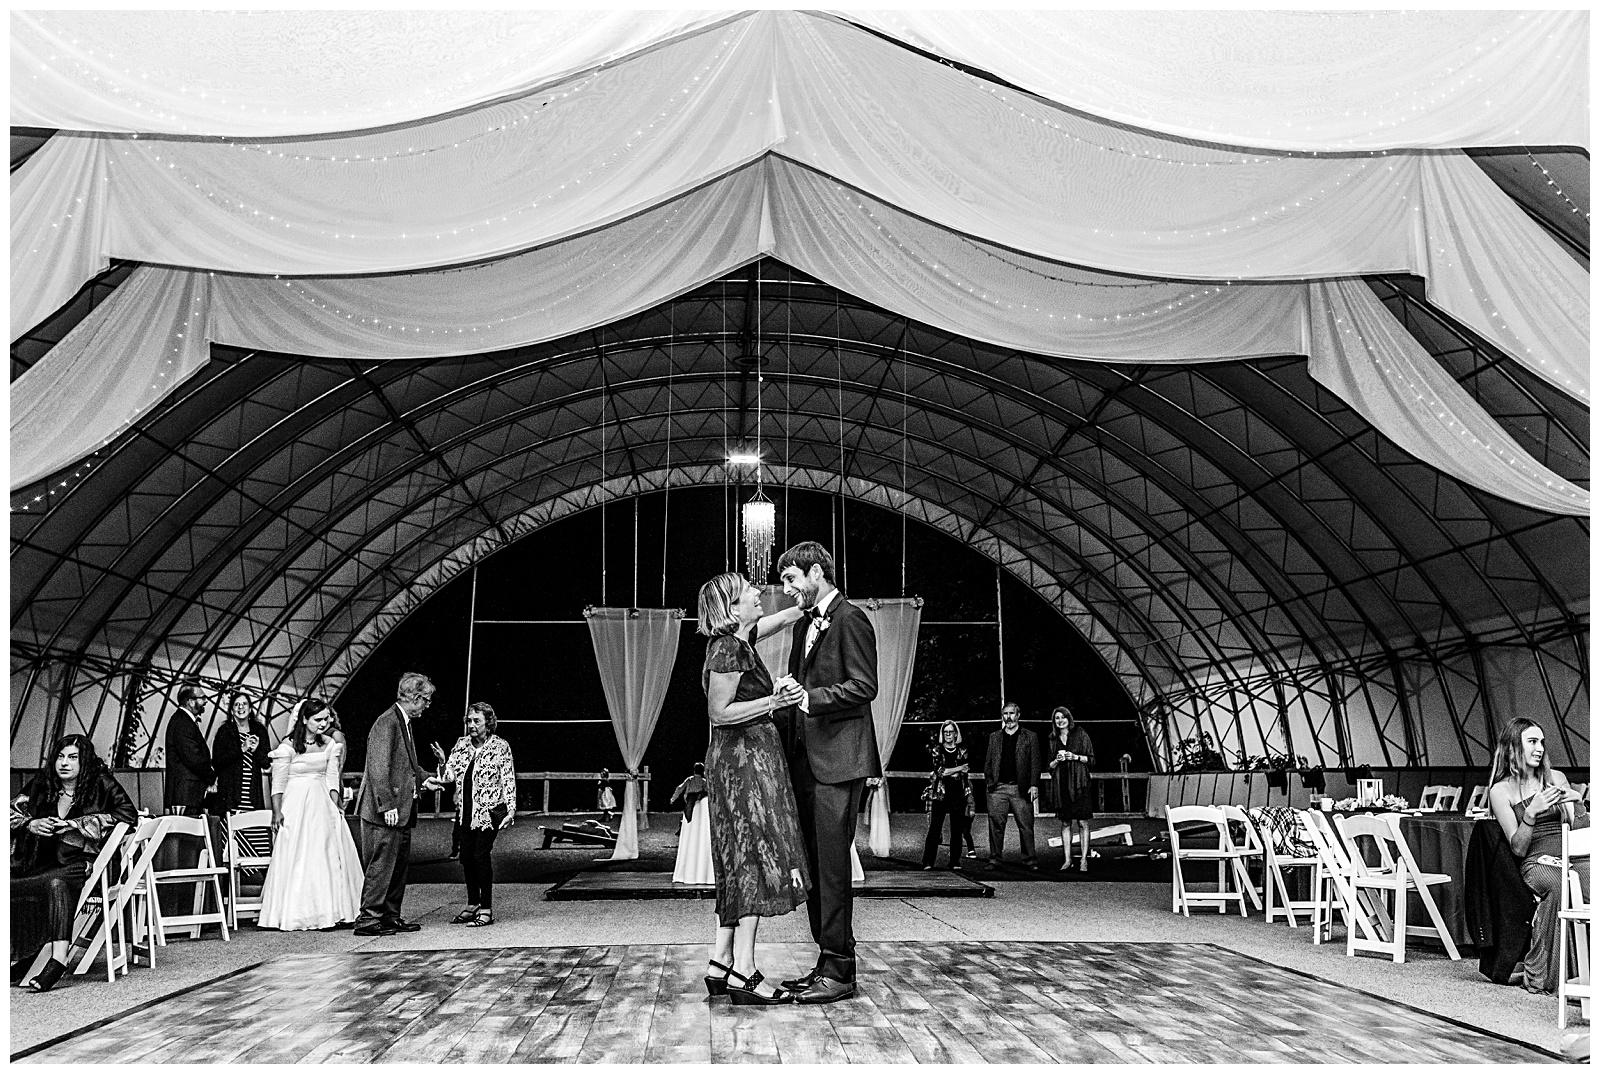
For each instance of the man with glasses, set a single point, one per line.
(390, 786)
(1011, 782)
(189, 769)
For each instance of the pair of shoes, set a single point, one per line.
(827, 990)
(746, 995)
(402, 925)
(717, 986)
(1033, 866)
(46, 978)
(485, 917)
(465, 917)
(800, 984)
(377, 928)
(991, 864)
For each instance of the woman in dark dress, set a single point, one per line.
(947, 795)
(239, 754)
(756, 843)
(58, 827)
(1071, 753)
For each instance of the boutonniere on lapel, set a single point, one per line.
(823, 622)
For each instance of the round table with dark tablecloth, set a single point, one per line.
(1439, 843)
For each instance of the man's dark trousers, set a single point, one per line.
(384, 887)
(828, 821)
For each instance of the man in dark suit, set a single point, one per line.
(1011, 783)
(832, 751)
(189, 770)
(390, 785)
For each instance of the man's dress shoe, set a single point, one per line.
(827, 990)
(799, 984)
(381, 928)
(404, 926)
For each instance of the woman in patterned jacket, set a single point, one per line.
(486, 796)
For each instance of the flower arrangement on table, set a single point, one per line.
(1388, 803)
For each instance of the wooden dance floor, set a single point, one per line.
(880, 884)
(928, 1002)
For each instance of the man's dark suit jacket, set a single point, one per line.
(841, 679)
(392, 775)
(189, 770)
(1027, 759)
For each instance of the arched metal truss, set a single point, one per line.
(1248, 555)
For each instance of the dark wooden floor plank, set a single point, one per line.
(956, 1002)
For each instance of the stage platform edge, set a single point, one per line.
(597, 884)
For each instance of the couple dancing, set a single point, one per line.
(785, 771)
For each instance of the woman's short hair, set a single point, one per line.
(487, 709)
(719, 599)
(1508, 753)
(950, 723)
(413, 684)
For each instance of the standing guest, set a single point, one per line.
(189, 771)
(833, 659)
(1071, 753)
(756, 843)
(605, 799)
(948, 791)
(694, 864)
(239, 752)
(58, 826)
(314, 881)
(1532, 801)
(1011, 770)
(486, 794)
(387, 805)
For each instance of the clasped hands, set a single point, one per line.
(1550, 797)
(786, 691)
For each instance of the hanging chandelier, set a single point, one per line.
(759, 517)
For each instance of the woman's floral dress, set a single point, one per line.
(755, 828)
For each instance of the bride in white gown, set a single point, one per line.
(314, 881)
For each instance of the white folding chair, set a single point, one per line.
(1252, 847)
(206, 874)
(95, 926)
(1438, 797)
(249, 834)
(1395, 876)
(1277, 862)
(1334, 889)
(128, 904)
(1224, 854)
(1574, 916)
(1479, 799)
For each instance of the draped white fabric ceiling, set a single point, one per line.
(611, 183)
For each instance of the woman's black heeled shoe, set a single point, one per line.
(745, 994)
(717, 986)
(47, 977)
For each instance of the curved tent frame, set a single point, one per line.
(1249, 556)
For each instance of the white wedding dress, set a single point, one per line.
(314, 881)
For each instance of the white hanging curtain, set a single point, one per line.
(895, 621)
(152, 333)
(635, 649)
(991, 164)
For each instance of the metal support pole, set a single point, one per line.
(1000, 632)
(472, 624)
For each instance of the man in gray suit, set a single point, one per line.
(390, 786)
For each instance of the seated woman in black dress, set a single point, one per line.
(756, 844)
(58, 827)
(1532, 801)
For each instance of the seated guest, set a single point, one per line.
(239, 753)
(1531, 801)
(486, 793)
(58, 827)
